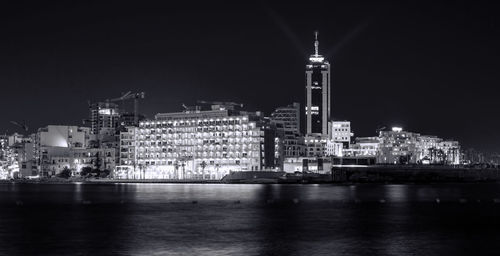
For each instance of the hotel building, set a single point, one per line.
(194, 144)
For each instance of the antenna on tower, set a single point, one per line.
(316, 43)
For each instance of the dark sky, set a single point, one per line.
(431, 67)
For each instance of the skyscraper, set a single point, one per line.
(318, 102)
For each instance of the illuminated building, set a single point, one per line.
(103, 116)
(75, 159)
(57, 141)
(63, 136)
(318, 101)
(315, 146)
(341, 133)
(6, 158)
(363, 147)
(319, 165)
(17, 156)
(96, 158)
(397, 146)
(451, 151)
(339, 138)
(333, 148)
(425, 148)
(434, 150)
(194, 144)
(401, 147)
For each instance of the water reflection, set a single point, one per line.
(231, 219)
(396, 193)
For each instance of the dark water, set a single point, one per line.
(218, 219)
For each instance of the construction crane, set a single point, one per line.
(22, 126)
(379, 129)
(226, 103)
(128, 96)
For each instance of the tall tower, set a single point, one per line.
(318, 102)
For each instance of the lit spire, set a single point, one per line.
(316, 43)
(316, 57)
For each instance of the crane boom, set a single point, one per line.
(22, 126)
(135, 96)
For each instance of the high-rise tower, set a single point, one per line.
(318, 102)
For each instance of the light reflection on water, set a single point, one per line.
(249, 219)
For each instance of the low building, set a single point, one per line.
(315, 145)
(451, 151)
(397, 147)
(16, 156)
(103, 159)
(334, 148)
(320, 165)
(363, 147)
(402, 147)
(54, 143)
(425, 146)
(341, 133)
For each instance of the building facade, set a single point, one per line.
(397, 146)
(341, 133)
(318, 90)
(320, 165)
(402, 147)
(193, 145)
(316, 145)
(363, 147)
(103, 116)
(57, 141)
(289, 142)
(334, 148)
(451, 150)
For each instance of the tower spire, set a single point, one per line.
(316, 43)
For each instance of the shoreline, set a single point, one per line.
(341, 175)
(341, 183)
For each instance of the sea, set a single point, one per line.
(249, 219)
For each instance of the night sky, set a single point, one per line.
(430, 67)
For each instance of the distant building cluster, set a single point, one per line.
(213, 139)
(401, 147)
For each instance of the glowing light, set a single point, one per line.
(105, 111)
(316, 59)
(397, 129)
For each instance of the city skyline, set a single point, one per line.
(183, 65)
